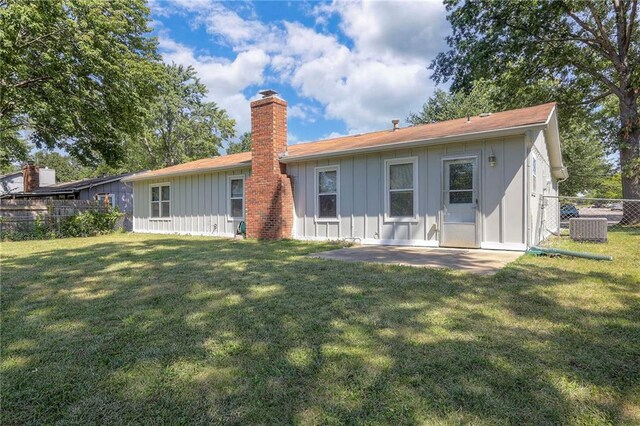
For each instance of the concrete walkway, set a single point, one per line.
(469, 260)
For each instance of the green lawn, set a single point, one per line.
(168, 330)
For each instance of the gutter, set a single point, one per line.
(285, 158)
(142, 177)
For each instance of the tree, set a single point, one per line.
(450, 105)
(583, 152)
(243, 145)
(75, 74)
(589, 48)
(181, 126)
(610, 187)
(67, 168)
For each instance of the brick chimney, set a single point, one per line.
(30, 177)
(269, 189)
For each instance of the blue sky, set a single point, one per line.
(343, 67)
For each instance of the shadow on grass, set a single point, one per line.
(176, 330)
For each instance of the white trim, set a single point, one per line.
(373, 241)
(138, 177)
(195, 234)
(387, 192)
(160, 185)
(509, 131)
(316, 193)
(244, 198)
(503, 246)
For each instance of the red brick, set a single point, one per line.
(269, 197)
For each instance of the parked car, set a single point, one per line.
(616, 206)
(568, 211)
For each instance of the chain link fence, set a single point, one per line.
(585, 219)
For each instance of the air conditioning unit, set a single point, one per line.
(588, 229)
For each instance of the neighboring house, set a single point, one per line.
(112, 188)
(13, 182)
(472, 182)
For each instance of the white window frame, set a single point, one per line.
(387, 190)
(111, 197)
(316, 192)
(244, 197)
(160, 185)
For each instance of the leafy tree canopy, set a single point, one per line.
(180, 125)
(243, 145)
(583, 150)
(585, 53)
(74, 74)
(450, 105)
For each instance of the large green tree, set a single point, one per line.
(243, 145)
(583, 151)
(180, 125)
(587, 49)
(444, 105)
(74, 74)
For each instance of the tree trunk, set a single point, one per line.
(630, 159)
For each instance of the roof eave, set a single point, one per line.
(142, 177)
(510, 131)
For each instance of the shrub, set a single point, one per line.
(86, 224)
(89, 223)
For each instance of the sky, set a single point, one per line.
(343, 67)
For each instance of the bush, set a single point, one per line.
(89, 223)
(84, 224)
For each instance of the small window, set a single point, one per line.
(327, 189)
(401, 191)
(461, 183)
(236, 197)
(161, 201)
(104, 196)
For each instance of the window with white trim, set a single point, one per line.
(327, 192)
(236, 197)
(102, 196)
(401, 188)
(160, 201)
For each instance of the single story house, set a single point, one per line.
(14, 182)
(109, 189)
(473, 182)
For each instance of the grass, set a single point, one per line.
(169, 330)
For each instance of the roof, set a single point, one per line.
(71, 187)
(9, 175)
(508, 122)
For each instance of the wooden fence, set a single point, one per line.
(18, 214)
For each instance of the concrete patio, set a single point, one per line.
(469, 260)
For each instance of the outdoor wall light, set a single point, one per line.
(492, 159)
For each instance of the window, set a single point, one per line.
(161, 201)
(461, 182)
(101, 197)
(236, 197)
(327, 193)
(401, 189)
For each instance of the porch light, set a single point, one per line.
(492, 159)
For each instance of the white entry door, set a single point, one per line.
(460, 203)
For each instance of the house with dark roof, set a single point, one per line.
(14, 182)
(473, 182)
(108, 189)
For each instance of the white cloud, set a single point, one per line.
(225, 79)
(382, 75)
